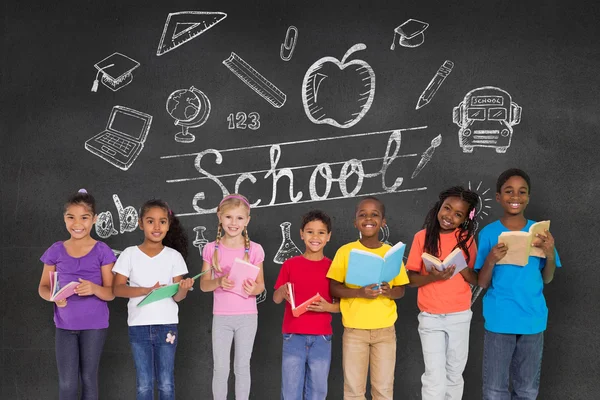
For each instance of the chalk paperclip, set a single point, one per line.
(289, 43)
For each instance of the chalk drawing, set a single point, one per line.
(190, 108)
(410, 33)
(262, 296)
(427, 155)
(435, 84)
(475, 292)
(200, 241)
(183, 26)
(239, 120)
(255, 80)
(385, 234)
(481, 210)
(326, 86)
(486, 117)
(123, 139)
(289, 43)
(321, 172)
(128, 216)
(105, 225)
(116, 252)
(117, 71)
(288, 248)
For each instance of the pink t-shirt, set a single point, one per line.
(228, 303)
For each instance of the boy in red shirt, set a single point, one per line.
(307, 338)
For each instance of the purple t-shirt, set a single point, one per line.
(81, 312)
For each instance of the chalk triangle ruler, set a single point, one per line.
(181, 27)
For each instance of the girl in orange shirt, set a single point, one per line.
(444, 297)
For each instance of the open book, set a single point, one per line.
(455, 258)
(163, 292)
(366, 268)
(298, 310)
(240, 272)
(56, 292)
(519, 244)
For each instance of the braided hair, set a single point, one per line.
(231, 201)
(465, 231)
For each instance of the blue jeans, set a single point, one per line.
(78, 355)
(153, 348)
(514, 357)
(305, 366)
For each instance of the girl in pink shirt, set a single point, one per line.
(235, 317)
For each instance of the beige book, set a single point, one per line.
(519, 244)
(455, 258)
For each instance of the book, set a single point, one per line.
(298, 310)
(366, 268)
(241, 271)
(56, 292)
(519, 244)
(163, 292)
(456, 258)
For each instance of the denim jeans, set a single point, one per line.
(305, 366)
(78, 355)
(153, 348)
(514, 357)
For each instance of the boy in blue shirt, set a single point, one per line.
(514, 306)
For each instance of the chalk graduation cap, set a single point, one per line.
(117, 71)
(411, 33)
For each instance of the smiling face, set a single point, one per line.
(155, 224)
(79, 220)
(452, 213)
(513, 196)
(315, 236)
(234, 220)
(369, 218)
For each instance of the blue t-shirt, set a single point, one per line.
(514, 302)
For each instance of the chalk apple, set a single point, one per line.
(338, 93)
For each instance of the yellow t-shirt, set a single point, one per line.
(362, 313)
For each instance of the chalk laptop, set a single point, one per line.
(123, 139)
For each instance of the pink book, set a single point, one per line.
(58, 293)
(241, 271)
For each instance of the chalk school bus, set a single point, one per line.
(486, 117)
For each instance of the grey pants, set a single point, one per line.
(241, 329)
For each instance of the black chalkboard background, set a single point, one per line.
(545, 54)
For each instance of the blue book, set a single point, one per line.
(366, 268)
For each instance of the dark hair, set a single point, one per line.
(465, 231)
(316, 215)
(176, 238)
(372, 198)
(82, 198)
(509, 173)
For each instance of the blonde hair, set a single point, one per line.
(231, 201)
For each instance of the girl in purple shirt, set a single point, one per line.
(82, 319)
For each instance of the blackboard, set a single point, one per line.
(536, 65)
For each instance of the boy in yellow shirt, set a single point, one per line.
(368, 313)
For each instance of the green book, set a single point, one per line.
(164, 291)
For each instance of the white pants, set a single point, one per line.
(445, 342)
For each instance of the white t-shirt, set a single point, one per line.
(145, 271)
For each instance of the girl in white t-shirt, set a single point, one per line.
(158, 261)
(235, 316)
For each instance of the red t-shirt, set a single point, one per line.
(309, 278)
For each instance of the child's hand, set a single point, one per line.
(369, 291)
(497, 253)
(156, 286)
(320, 306)
(442, 275)
(249, 286)
(185, 285)
(225, 283)
(545, 242)
(385, 289)
(283, 290)
(85, 288)
(61, 303)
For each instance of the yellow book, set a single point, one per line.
(520, 244)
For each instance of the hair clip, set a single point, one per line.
(82, 191)
(216, 247)
(472, 214)
(246, 250)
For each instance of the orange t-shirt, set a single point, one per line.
(441, 297)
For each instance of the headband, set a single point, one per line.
(235, 196)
